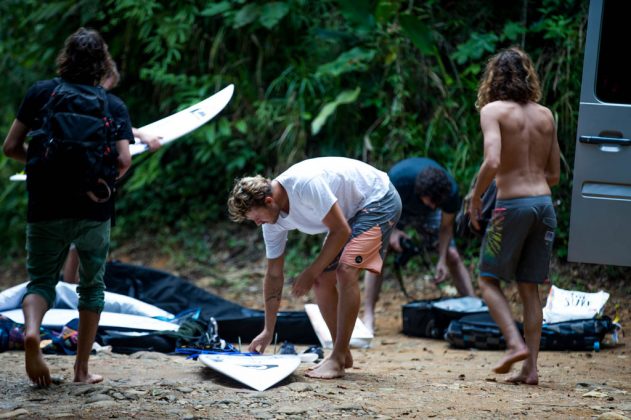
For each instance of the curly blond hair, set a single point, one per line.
(247, 193)
(509, 76)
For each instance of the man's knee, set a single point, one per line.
(453, 257)
(324, 280)
(488, 283)
(347, 274)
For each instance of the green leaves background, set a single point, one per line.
(377, 80)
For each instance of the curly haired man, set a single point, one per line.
(430, 202)
(521, 152)
(57, 215)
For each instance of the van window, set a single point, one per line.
(613, 83)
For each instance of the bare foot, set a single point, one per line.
(88, 379)
(81, 375)
(36, 367)
(511, 357)
(348, 362)
(528, 378)
(328, 369)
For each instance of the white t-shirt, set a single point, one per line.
(313, 186)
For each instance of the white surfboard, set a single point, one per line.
(57, 318)
(361, 337)
(177, 125)
(256, 371)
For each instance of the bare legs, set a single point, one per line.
(533, 318)
(71, 267)
(373, 282)
(34, 308)
(372, 287)
(339, 308)
(517, 349)
(88, 324)
(460, 274)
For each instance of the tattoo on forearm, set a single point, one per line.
(273, 296)
(275, 293)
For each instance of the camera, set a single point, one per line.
(410, 249)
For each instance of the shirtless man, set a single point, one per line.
(356, 205)
(522, 153)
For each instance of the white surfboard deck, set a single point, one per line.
(361, 337)
(57, 318)
(177, 125)
(256, 371)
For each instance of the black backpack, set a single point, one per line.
(76, 142)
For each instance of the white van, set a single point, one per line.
(600, 221)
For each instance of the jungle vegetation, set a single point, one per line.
(377, 80)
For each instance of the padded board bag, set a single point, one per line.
(481, 332)
(430, 318)
(580, 334)
(476, 331)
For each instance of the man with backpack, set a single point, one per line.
(430, 202)
(78, 147)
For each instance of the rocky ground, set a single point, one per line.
(398, 377)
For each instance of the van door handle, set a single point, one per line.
(605, 140)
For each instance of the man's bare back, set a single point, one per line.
(524, 137)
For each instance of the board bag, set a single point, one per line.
(481, 332)
(75, 145)
(430, 318)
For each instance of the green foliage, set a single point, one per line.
(346, 97)
(378, 80)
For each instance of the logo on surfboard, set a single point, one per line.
(259, 367)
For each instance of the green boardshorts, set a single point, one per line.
(47, 245)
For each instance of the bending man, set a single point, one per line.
(430, 202)
(356, 205)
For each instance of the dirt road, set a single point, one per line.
(398, 377)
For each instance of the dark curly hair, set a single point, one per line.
(84, 59)
(509, 76)
(433, 183)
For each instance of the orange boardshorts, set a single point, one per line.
(370, 231)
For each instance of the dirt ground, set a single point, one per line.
(398, 377)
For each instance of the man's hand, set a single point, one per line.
(475, 212)
(260, 342)
(441, 272)
(152, 141)
(395, 239)
(303, 283)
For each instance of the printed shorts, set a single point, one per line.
(370, 232)
(518, 241)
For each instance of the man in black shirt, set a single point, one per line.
(58, 216)
(430, 202)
